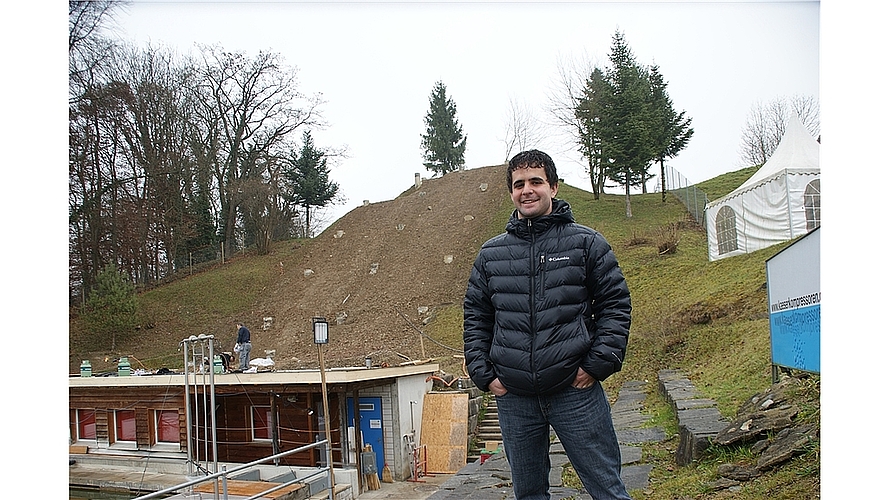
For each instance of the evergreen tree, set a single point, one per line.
(111, 307)
(624, 120)
(627, 141)
(590, 114)
(443, 143)
(307, 175)
(670, 131)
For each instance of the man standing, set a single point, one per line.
(546, 319)
(244, 346)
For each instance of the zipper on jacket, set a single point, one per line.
(533, 277)
(532, 304)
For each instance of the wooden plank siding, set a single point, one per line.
(298, 416)
(102, 435)
(143, 400)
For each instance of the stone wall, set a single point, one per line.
(699, 418)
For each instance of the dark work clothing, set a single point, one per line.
(245, 346)
(243, 335)
(543, 299)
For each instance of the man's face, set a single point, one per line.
(531, 193)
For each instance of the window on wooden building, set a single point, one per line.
(167, 426)
(86, 424)
(125, 425)
(261, 421)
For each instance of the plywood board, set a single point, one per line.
(444, 431)
(251, 488)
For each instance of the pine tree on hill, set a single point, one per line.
(444, 143)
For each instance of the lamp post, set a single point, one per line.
(320, 332)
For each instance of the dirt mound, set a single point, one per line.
(380, 271)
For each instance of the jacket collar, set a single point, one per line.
(561, 214)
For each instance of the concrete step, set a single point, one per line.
(340, 492)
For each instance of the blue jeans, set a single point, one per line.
(244, 356)
(582, 420)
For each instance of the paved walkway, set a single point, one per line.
(492, 480)
(407, 490)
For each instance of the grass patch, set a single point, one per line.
(447, 329)
(724, 184)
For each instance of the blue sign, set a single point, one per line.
(793, 276)
(796, 338)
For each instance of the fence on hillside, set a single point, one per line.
(693, 198)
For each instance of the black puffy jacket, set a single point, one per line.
(543, 298)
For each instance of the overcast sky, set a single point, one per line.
(376, 64)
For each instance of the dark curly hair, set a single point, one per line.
(532, 159)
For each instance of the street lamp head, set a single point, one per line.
(319, 329)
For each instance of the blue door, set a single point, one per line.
(370, 414)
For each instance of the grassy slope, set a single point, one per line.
(206, 302)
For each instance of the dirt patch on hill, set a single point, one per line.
(380, 272)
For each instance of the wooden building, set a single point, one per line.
(257, 415)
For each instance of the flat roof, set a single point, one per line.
(298, 377)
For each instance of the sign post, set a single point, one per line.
(320, 332)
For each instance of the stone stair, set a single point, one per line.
(488, 432)
(632, 429)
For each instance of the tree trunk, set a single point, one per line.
(627, 191)
(593, 182)
(663, 182)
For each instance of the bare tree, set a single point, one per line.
(766, 124)
(565, 99)
(246, 105)
(522, 128)
(92, 141)
(154, 127)
(86, 20)
(259, 200)
(87, 47)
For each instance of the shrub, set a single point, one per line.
(668, 239)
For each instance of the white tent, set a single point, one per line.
(781, 201)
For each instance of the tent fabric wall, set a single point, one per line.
(770, 206)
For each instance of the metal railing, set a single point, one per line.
(200, 363)
(225, 473)
(200, 359)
